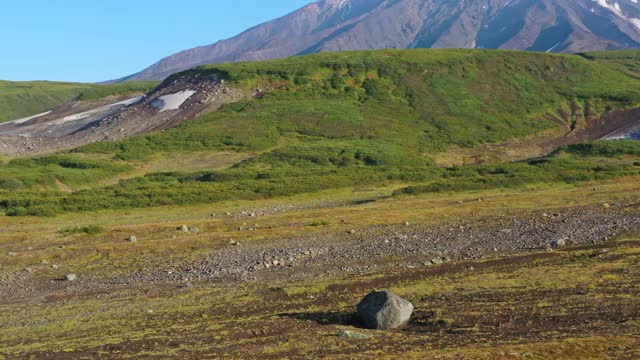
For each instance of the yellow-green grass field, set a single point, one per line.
(578, 302)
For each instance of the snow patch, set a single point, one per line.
(93, 112)
(616, 9)
(172, 101)
(554, 47)
(23, 120)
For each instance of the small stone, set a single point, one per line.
(70, 277)
(184, 228)
(406, 223)
(352, 231)
(132, 238)
(194, 230)
(12, 254)
(55, 266)
(558, 243)
(436, 261)
(347, 334)
(276, 263)
(186, 284)
(44, 262)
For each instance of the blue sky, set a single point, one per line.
(96, 40)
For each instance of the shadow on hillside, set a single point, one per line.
(326, 318)
(421, 321)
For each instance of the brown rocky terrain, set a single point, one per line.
(75, 124)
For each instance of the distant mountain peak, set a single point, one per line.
(334, 25)
(340, 4)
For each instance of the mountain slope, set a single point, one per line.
(335, 25)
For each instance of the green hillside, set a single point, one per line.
(22, 99)
(417, 100)
(336, 120)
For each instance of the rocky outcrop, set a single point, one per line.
(173, 102)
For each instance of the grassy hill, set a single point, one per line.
(22, 99)
(334, 120)
(418, 100)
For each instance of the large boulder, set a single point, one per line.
(384, 310)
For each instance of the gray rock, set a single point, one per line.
(70, 277)
(558, 243)
(132, 238)
(384, 310)
(347, 334)
(184, 228)
(194, 230)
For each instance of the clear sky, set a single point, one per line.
(97, 40)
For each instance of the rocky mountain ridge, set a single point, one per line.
(334, 25)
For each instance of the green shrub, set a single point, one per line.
(89, 230)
